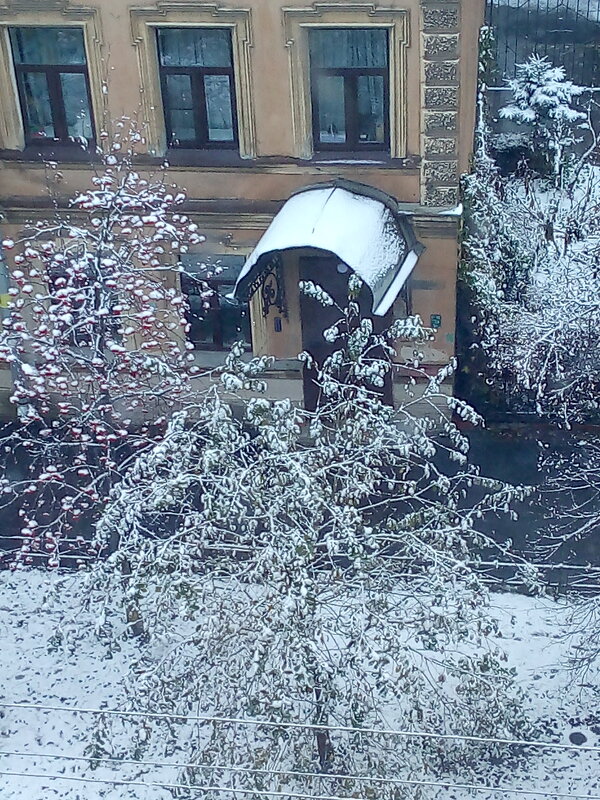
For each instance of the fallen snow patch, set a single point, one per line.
(51, 656)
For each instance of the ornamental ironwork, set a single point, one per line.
(270, 283)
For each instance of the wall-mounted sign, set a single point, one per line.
(436, 321)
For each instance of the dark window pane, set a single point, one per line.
(179, 107)
(77, 110)
(38, 110)
(182, 126)
(227, 267)
(48, 45)
(218, 108)
(216, 320)
(203, 321)
(194, 47)
(235, 319)
(332, 112)
(371, 127)
(348, 47)
(179, 92)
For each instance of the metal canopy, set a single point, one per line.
(359, 224)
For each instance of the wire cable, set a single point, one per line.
(305, 726)
(477, 787)
(209, 767)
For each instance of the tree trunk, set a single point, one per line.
(324, 746)
(133, 616)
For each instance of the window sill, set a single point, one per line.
(183, 157)
(61, 153)
(230, 158)
(217, 159)
(367, 157)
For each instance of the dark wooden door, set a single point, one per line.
(332, 275)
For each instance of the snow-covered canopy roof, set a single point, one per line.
(357, 223)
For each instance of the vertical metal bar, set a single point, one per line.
(57, 104)
(557, 31)
(506, 46)
(587, 66)
(351, 103)
(553, 49)
(200, 111)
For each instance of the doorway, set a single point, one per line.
(332, 275)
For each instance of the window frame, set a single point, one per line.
(299, 21)
(238, 21)
(197, 75)
(351, 75)
(52, 73)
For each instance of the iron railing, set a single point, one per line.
(567, 32)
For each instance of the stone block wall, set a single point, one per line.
(440, 101)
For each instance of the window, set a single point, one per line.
(53, 86)
(216, 320)
(196, 71)
(350, 88)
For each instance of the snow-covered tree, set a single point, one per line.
(95, 341)
(543, 101)
(532, 267)
(312, 569)
(532, 257)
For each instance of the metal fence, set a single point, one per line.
(567, 32)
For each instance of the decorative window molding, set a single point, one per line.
(171, 13)
(60, 14)
(297, 22)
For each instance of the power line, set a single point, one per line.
(210, 767)
(154, 784)
(238, 769)
(305, 726)
(296, 795)
(41, 554)
(33, 555)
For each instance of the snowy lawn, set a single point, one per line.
(42, 664)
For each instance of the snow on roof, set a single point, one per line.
(363, 232)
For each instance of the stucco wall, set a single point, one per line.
(233, 199)
(438, 34)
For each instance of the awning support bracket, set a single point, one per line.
(270, 283)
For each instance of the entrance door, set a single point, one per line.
(332, 275)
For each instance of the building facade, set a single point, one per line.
(255, 103)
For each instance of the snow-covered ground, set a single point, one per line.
(42, 662)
